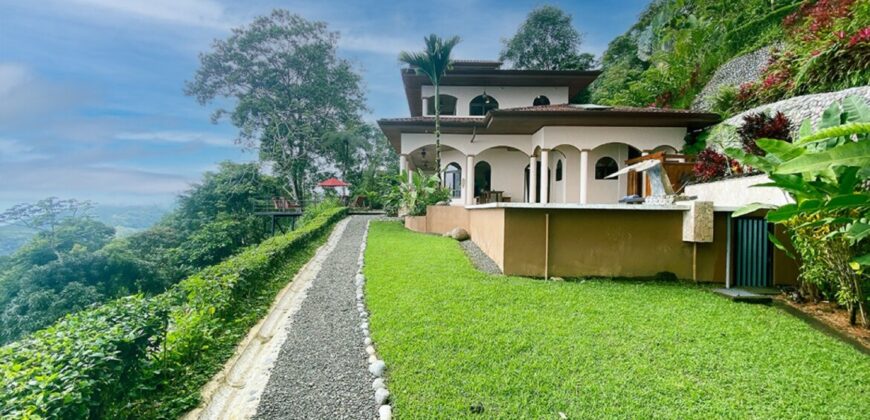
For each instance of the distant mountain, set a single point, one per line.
(12, 238)
(125, 219)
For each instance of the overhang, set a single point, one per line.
(528, 120)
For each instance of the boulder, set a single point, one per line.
(459, 234)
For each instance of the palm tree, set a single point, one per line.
(434, 61)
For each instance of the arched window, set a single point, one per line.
(482, 104)
(447, 103)
(541, 100)
(482, 177)
(604, 167)
(453, 179)
(559, 170)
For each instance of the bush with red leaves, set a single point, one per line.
(762, 126)
(710, 165)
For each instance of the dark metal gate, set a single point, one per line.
(754, 253)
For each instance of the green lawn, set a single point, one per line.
(453, 337)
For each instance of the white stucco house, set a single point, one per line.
(512, 136)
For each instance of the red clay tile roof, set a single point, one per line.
(333, 183)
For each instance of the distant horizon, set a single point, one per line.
(99, 113)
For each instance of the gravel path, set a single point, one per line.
(480, 260)
(321, 371)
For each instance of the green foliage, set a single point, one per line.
(83, 366)
(422, 190)
(127, 359)
(288, 107)
(724, 100)
(546, 40)
(73, 261)
(826, 174)
(526, 348)
(676, 46)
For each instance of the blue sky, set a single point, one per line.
(91, 102)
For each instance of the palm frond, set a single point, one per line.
(434, 60)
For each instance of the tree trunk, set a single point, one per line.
(438, 130)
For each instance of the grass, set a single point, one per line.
(453, 338)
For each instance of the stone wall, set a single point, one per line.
(800, 108)
(738, 192)
(741, 69)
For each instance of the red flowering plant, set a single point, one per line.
(710, 165)
(763, 126)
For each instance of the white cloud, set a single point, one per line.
(17, 151)
(25, 97)
(207, 13)
(12, 75)
(377, 44)
(178, 137)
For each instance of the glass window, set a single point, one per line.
(453, 179)
(482, 104)
(559, 170)
(604, 167)
(541, 100)
(448, 105)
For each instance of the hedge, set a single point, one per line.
(97, 363)
(77, 367)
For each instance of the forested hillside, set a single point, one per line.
(676, 46)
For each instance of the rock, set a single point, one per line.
(382, 395)
(373, 358)
(459, 234)
(385, 412)
(367, 341)
(378, 383)
(370, 350)
(377, 368)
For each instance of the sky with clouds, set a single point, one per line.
(91, 102)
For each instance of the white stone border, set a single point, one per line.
(377, 367)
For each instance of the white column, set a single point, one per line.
(469, 180)
(565, 179)
(403, 163)
(584, 176)
(410, 173)
(533, 174)
(545, 176)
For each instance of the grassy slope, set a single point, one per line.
(453, 337)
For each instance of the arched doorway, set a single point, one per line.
(537, 182)
(453, 179)
(482, 177)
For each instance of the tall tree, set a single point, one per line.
(547, 40)
(289, 87)
(434, 61)
(46, 217)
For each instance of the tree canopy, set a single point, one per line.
(547, 40)
(290, 91)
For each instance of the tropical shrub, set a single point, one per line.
(724, 100)
(827, 172)
(412, 196)
(84, 365)
(710, 165)
(761, 126)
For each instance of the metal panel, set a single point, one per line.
(753, 253)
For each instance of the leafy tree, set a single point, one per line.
(433, 61)
(547, 40)
(45, 217)
(290, 91)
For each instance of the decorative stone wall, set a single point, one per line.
(739, 70)
(800, 108)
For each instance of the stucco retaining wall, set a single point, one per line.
(800, 108)
(738, 192)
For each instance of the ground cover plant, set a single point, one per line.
(461, 343)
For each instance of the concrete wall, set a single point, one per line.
(595, 242)
(738, 192)
(487, 232)
(507, 97)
